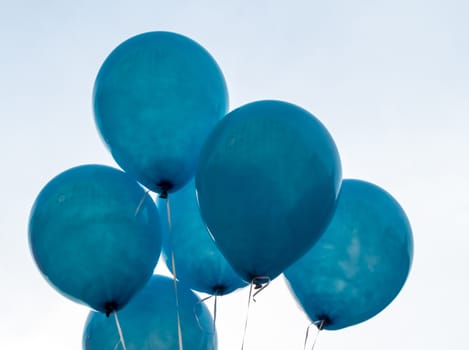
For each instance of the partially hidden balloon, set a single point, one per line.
(95, 235)
(267, 183)
(156, 97)
(149, 321)
(199, 263)
(360, 263)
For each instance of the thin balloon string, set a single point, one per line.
(251, 285)
(214, 331)
(173, 267)
(320, 325)
(139, 206)
(215, 311)
(214, 316)
(119, 330)
(215, 320)
(195, 310)
(260, 283)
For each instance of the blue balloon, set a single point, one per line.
(95, 235)
(156, 98)
(199, 263)
(267, 183)
(149, 321)
(360, 263)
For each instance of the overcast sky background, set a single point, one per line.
(389, 79)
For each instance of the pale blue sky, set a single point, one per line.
(389, 79)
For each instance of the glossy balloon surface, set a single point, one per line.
(95, 235)
(149, 321)
(199, 263)
(267, 183)
(156, 97)
(360, 263)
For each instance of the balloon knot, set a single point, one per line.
(219, 290)
(260, 281)
(110, 307)
(322, 322)
(164, 187)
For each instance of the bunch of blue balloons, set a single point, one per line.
(243, 196)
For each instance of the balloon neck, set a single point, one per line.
(219, 290)
(260, 281)
(110, 307)
(164, 187)
(322, 322)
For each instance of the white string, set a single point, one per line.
(139, 206)
(173, 267)
(320, 325)
(247, 314)
(119, 330)
(215, 321)
(195, 310)
(215, 312)
(256, 283)
(214, 316)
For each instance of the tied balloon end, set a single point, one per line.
(322, 322)
(259, 283)
(110, 307)
(219, 290)
(164, 186)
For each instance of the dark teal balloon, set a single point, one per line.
(95, 235)
(156, 97)
(199, 263)
(267, 183)
(360, 263)
(149, 321)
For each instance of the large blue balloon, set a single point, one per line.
(199, 263)
(267, 183)
(149, 321)
(361, 262)
(156, 97)
(95, 235)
